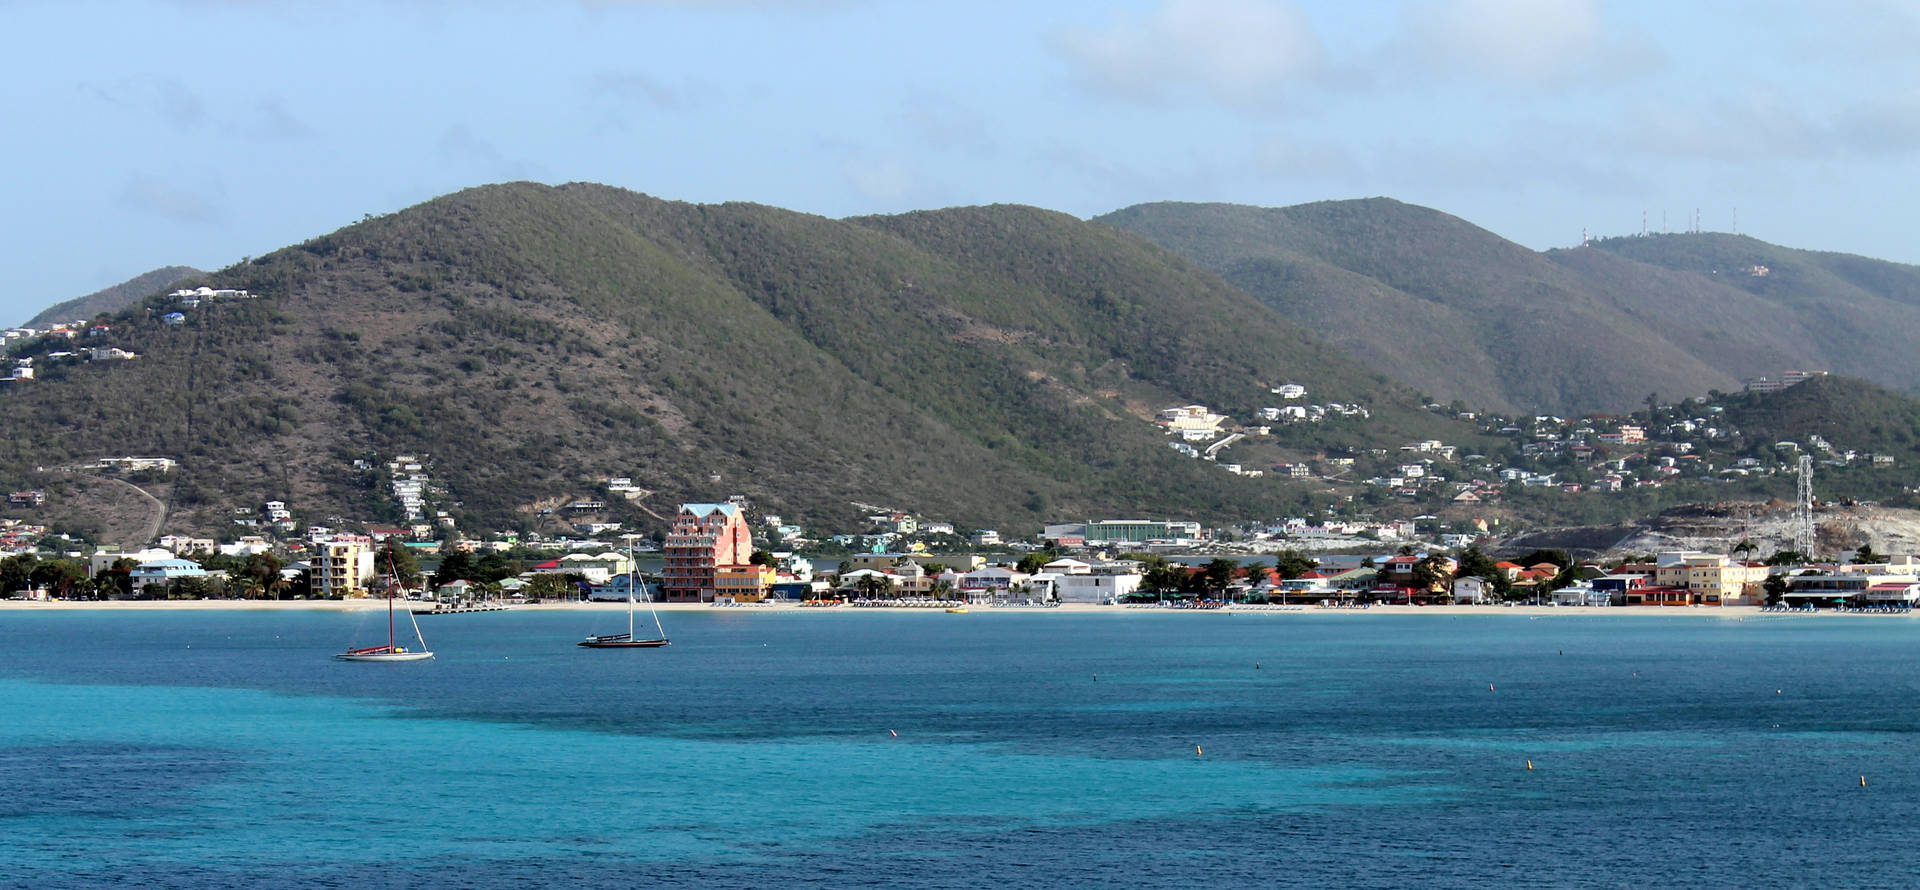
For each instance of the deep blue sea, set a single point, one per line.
(227, 749)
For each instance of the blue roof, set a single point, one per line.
(709, 509)
(171, 564)
(168, 568)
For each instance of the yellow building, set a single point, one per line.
(742, 584)
(341, 567)
(1712, 579)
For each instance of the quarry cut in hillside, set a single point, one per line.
(1839, 530)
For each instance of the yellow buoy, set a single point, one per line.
(1196, 751)
(1863, 781)
(1529, 764)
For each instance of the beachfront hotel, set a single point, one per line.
(708, 542)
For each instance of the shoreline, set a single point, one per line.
(1530, 611)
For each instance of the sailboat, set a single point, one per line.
(390, 652)
(626, 640)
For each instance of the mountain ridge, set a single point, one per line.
(997, 363)
(1439, 303)
(115, 297)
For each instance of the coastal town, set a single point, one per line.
(1348, 555)
(713, 554)
(1398, 526)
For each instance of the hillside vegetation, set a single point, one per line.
(115, 298)
(989, 365)
(1461, 313)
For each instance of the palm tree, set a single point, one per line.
(1745, 548)
(874, 586)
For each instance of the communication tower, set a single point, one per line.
(1803, 509)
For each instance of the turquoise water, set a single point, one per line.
(210, 749)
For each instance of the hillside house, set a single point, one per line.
(1191, 422)
(139, 464)
(1627, 434)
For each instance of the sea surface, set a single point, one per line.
(793, 749)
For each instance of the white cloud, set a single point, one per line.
(1537, 43)
(1242, 52)
(879, 179)
(941, 124)
(461, 146)
(1770, 124)
(271, 120)
(1287, 157)
(629, 87)
(172, 200)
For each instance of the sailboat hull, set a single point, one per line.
(622, 644)
(384, 656)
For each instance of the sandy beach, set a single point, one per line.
(1724, 612)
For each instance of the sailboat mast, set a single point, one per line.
(633, 577)
(656, 617)
(416, 630)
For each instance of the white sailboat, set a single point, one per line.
(626, 640)
(391, 652)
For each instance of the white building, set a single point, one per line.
(1191, 419)
(1290, 391)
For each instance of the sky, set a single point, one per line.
(145, 133)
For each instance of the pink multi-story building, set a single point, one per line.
(705, 539)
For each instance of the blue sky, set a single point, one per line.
(197, 132)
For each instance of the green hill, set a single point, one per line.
(1438, 303)
(1846, 314)
(1849, 413)
(115, 298)
(989, 365)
